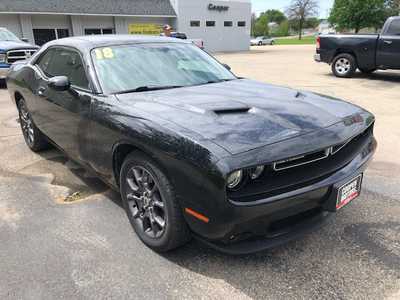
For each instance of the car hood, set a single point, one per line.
(242, 115)
(11, 45)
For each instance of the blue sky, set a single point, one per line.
(263, 5)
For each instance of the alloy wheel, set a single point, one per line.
(342, 66)
(26, 124)
(145, 202)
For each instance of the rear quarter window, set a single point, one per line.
(394, 28)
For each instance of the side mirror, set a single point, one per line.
(227, 67)
(59, 83)
(25, 40)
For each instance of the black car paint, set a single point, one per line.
(198, 135)
(370, 50)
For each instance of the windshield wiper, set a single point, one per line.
(147, 88)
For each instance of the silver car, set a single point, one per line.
(262, 40)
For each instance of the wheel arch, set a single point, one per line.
(122, 149)
(344, 51)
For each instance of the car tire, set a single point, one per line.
(3, 84)
(34, 138)
(367, 71)
(260, 44)
(272, 43)
(344, 65)
(156, 218)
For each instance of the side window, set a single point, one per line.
(44, 61)
(68, 63)
(394, 28)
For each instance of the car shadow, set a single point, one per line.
(385, 76)
(67, 173)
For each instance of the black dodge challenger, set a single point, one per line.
(193, 149)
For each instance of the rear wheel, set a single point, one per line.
(260, 43)
(344, 65)
(272, 43)
(151, 205)
(35, 140)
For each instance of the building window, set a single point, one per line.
(43, 36)
(228, 23)
(210, 23)
(194, 23)
(92, 31)
(242, 24)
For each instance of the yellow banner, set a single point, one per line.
(148, 29)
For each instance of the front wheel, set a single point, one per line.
(344, 65)
(34, 138)
(151, 204)
(260, 44)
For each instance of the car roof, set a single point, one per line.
(88, 42)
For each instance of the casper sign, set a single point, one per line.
(217, 7)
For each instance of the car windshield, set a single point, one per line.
(142, 67)
(6, 35)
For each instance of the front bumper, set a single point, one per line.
(251, 227)
(4, 71)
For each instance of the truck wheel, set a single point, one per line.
(151, 204)
(344, 65)
(367, 71)
(34, 138)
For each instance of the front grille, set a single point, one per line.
(21, 54)
(301, 171)
(301, 160)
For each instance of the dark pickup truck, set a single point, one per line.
(346, 53)
(12, 49)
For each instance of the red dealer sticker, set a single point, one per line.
(348, 192)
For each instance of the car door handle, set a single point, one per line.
(41, 91)
(388, 42)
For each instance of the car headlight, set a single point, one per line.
(256, 172)
(2, 57)
(234, 179)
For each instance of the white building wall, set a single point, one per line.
(77, 26)
(97, 22)
(51, 22)
(26, 28)
(12, 23)
(218, 38)
(122, 23)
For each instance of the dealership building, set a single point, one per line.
(223, 25)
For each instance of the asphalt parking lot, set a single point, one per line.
(86, 249)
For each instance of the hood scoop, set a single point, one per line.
(230, 111)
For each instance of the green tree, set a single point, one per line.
(261, 25)
(283, 29)
(308, 23)
(358, 14)
(300, 11)
(392, 8)
(274, 15)
(253, 23)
